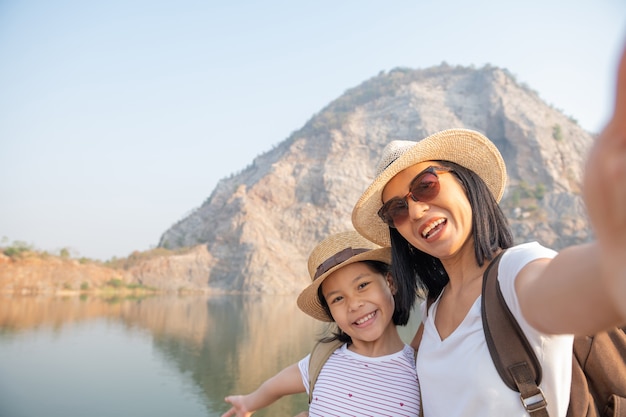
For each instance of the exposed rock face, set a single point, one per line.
(187, 271)
(259, 226)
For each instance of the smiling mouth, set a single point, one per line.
(432, 228)
(366, 318)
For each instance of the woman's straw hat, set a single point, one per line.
(331, 254)
(467, 148)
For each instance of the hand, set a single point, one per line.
(604, 192)
(238, 408)
(303, 414)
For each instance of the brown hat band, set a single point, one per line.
(336, 259)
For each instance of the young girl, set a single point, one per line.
(352, 286)
(435, 202)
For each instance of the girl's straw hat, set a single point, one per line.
(467, 148)
(331, 254)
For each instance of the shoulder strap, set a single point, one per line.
(319, 355)
(510, 351)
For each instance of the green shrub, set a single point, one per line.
(16, 249)
(515, 197)
(540, 191)
(557, 133)
(115, 283)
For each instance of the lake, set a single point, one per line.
(156, 356)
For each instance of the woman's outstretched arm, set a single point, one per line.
(583, 289)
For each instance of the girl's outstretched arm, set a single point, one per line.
(286, 382)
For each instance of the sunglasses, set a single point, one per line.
(424, 187)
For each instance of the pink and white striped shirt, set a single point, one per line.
(350, 384)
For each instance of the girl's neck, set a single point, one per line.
(387, 344)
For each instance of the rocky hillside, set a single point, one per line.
(257, 227)
(32, 273)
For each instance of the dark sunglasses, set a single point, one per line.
(424, 187)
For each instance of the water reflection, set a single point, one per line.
(226, 344)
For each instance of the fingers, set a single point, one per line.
(620, 96)
(232, 412)
(604, 192)
(604, 189)
(229, 413)
(605, 179)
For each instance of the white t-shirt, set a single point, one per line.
(457, 375)
(350, 384)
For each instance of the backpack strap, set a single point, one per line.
(510, 351)
(319, 355)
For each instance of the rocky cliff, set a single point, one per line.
(257, 227)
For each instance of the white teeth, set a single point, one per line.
(431, 226)
(364, 319)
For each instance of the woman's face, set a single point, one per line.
(441, 226)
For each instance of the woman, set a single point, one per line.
(435, 202)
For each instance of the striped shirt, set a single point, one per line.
(350, 384)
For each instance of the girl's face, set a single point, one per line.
(441, 226)
(360, 301)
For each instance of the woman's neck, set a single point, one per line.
(463, 270)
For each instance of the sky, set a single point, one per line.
(119, 117)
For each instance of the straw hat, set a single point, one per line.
(467, 148)
(331, 254)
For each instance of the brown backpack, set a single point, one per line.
(319, 355)
(598, 362)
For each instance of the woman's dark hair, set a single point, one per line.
(490, 230)
(402, 304)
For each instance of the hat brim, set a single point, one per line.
(464, 147)
(308, 300)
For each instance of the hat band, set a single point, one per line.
(336, 259)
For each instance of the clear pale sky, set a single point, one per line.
(119, 117)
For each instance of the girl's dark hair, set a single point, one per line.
(402, 304)
(490, 230)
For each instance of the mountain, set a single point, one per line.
(256, 229)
